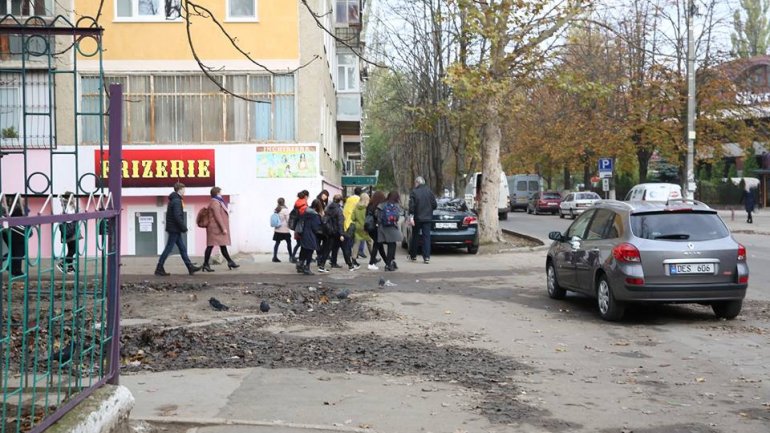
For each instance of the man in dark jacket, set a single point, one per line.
(422, 203)
(175, 226)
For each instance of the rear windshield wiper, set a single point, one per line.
(681, 236)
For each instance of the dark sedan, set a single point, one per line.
(453, 225)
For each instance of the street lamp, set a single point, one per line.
(689, 186)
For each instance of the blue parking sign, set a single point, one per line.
(605, 165)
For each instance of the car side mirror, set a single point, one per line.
(555, 236)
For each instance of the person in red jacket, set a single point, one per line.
(300, 205)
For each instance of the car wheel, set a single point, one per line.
(561, 214)
(503, 216)
(609, 308)
(473, 249)
(727, 309)
(555, 291)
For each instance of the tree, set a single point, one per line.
(752, 35)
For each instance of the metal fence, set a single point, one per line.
(59, 271)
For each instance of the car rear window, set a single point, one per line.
(534, 185)
(521, 185)
(588, 196)
(678, 226)
(551, 195)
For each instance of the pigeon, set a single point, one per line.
(64, 354)
(382, 281)
(264, 307)
(343, 294)
(215, 304)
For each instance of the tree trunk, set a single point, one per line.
(643, 157)
(489, 225)
(567, 178)
(586, 176)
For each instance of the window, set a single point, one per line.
(189, 108)
(679, 226)
(347, 13)
(148, 10)
(578, 228)
(599, 224)
(25, 110)
(534, 185)
(347, 73)
(241, 10)
(570, 197)
(521, 185)
(26, 8)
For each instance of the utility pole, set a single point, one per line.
(689, 185)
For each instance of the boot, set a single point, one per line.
(206, 268)
(232, 265)
(193, 269)
(306, 270)
(159, 271)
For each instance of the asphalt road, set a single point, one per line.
(757, 245)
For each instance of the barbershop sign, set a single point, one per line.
(152, 168)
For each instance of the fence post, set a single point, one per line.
(113, 265)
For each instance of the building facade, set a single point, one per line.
(241, 94)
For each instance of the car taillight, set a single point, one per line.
(741, 253)
(626, 253)
(743, 279)
(635, 281)
(469, 220)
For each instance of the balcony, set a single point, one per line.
(349, 113)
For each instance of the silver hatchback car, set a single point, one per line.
(622, 252)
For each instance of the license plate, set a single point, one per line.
(446, 225)
(551, 204)
(691, 268)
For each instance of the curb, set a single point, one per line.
(213, 422)
(527, 237)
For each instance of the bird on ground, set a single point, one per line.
(343, 294)
(382, 281)
(215, 304)
(264, 307)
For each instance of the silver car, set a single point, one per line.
(622, 252)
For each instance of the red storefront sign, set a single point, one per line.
(151, 168)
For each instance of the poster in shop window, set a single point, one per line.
(287, 161)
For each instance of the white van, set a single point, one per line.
(659, 192)
(473, 192)
(521, 188)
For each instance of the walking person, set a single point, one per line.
(388, 233)
(347, 210)
(422, 203)
(299, 209)
(749, 200)
(68, 233)
(371, 226)
(175, 226)
(16, 238)
(282, 232)
(359, 220)
(335, 224)
(218, 230)
(323, 196)
(311, 224)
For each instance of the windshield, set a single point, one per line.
(551, 195)
(588, 196)
(679, 226)
(534, 185)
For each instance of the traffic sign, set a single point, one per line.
(605, 165)
(606, 184)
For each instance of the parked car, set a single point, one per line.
(454, 224)
(624, 252)
(576, 203)
(660, 192)
(521, 187)
(544, 202)
(473, 193)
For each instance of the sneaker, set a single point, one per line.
(362, 256)
(323, 270)
(394, 265)
(389, 268)
(60, 267)
(307, 271)
(426, 261)
(70, 269)
(335, 266)
(412, 258)
(373, 267)
(353, 267)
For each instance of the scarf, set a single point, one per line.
(222, 202)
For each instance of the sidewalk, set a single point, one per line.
(736, 221)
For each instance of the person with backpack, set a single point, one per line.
(422, 203)
(358, 221)
(387, 215)
(279, 220)
(175, 226)
(308, 226)
(299, 209)
(334, 221)
(218, 230)
(371, 227)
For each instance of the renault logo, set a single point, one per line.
(691, 245)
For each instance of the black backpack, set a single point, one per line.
(293, 218)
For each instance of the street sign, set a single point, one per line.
(606, 184)
(359, 180)
(605, 165)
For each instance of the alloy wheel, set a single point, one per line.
(603, 296)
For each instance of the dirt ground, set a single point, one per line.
(523, 359)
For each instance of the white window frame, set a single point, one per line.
(240, 19)
(346, 22)
(136, 18)
(50, 3)
(349, 68)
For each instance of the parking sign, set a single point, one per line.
(605, 165)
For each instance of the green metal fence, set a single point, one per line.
(59, 279)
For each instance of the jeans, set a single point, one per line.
(175, 238)
(424, 228)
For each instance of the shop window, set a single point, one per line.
(241, 10)
(189, 108)
(147, 10)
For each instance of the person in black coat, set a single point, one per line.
(175, 226)
(14, 236)
(749, 202)
(422, 203)
(308, 241)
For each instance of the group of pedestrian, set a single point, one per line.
(215, 218)
(364, 225)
